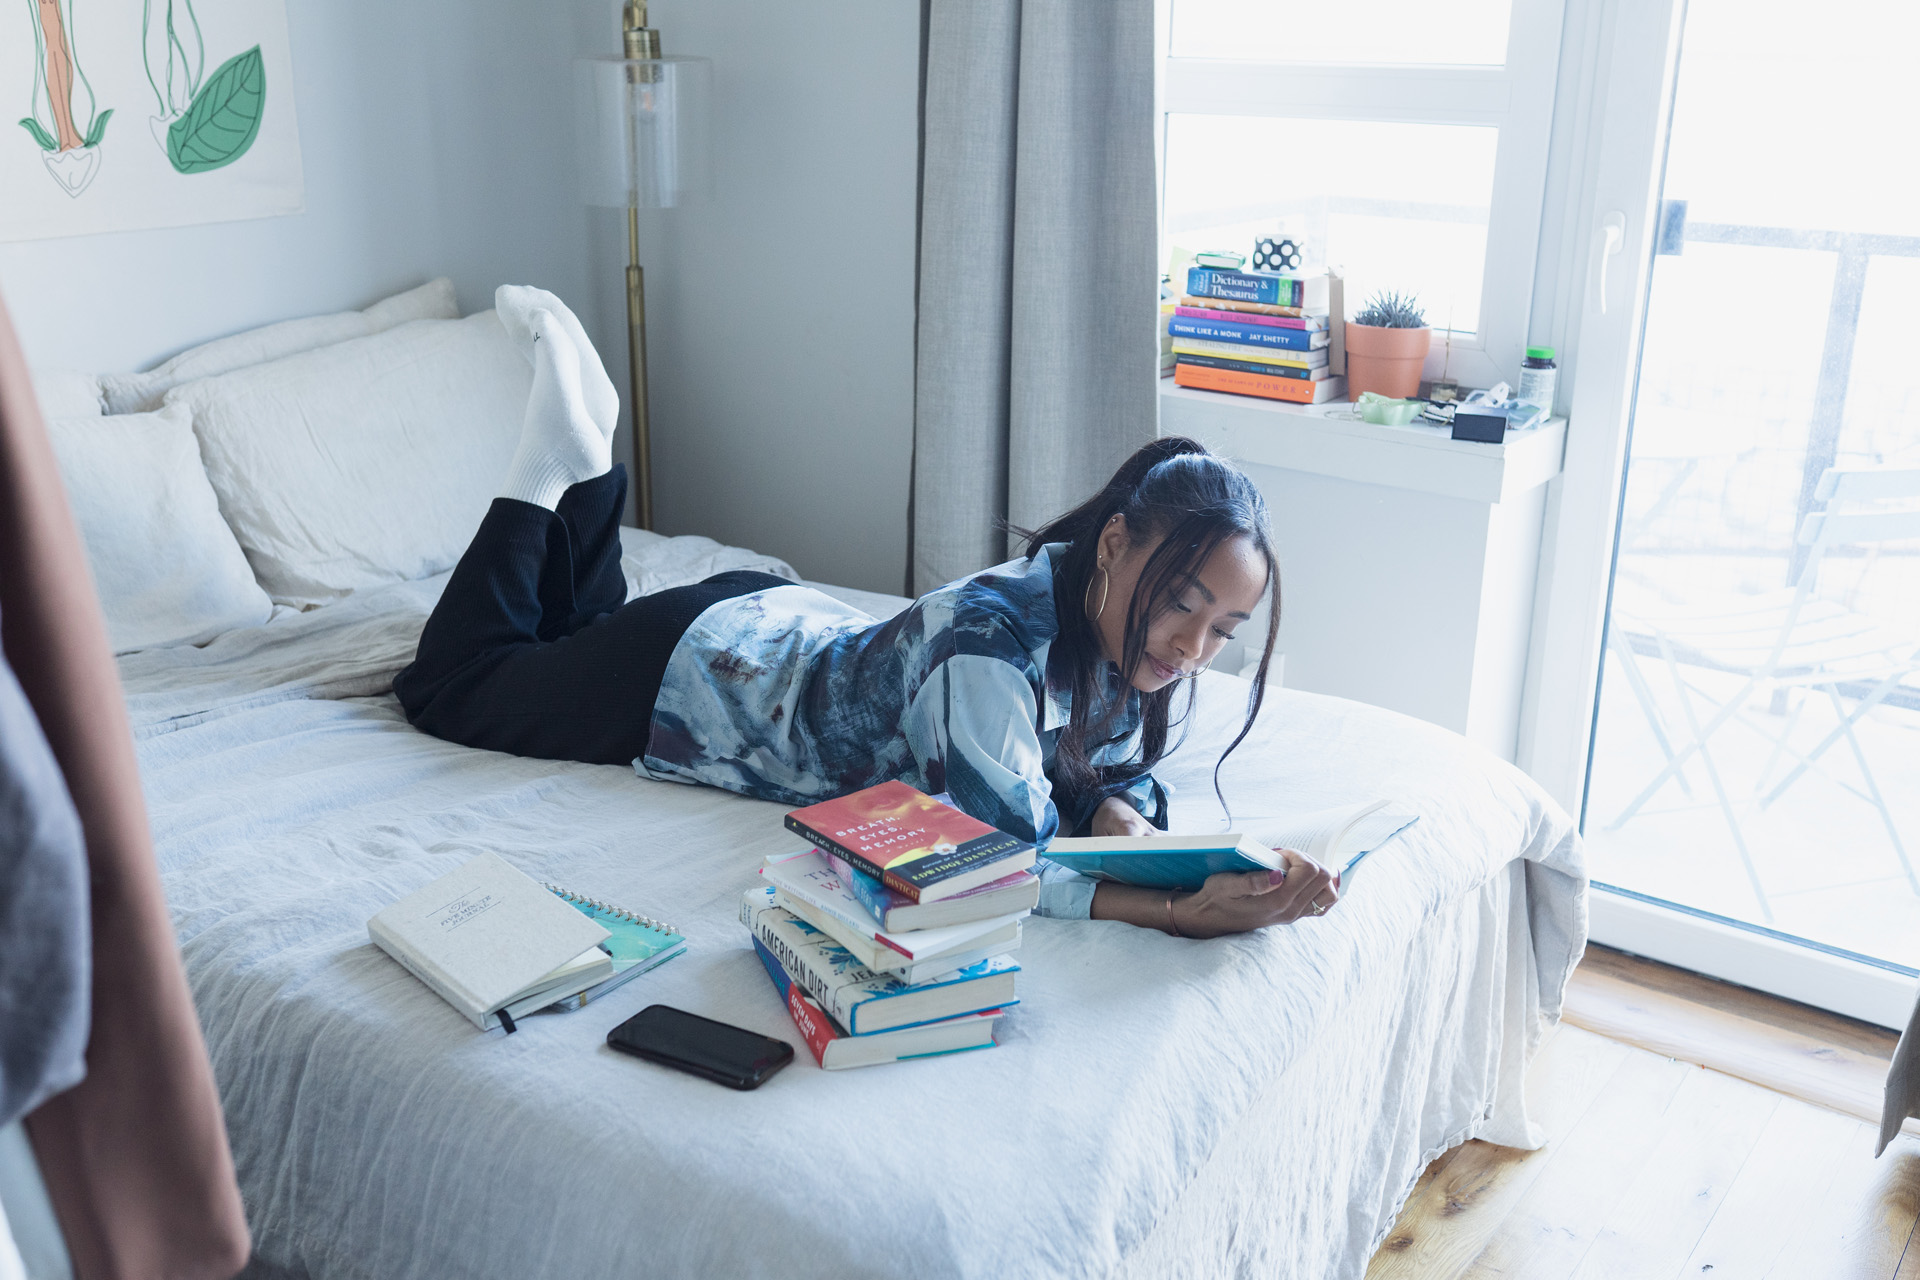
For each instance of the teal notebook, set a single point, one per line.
(639, 943)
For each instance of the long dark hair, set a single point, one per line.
(1191, 500)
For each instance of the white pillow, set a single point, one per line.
(366, 462)
(140, 392)
(165, 564)
(64, 394)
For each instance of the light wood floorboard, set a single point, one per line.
(1694, 1129)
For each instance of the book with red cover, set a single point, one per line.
(1308, 322)
(911, 842)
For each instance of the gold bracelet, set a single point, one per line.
(1173, 924)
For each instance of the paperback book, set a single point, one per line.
(1251, 334)
(1272, 386)
(834, 1049)
(1268, 288)
(1251, 366)
(810, 877)
(1251, 308)
(1339, 838)
(911, 842)
(859, 999)
(1307, 323)
(1257, 355)
(897, 913)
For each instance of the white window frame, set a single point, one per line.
(1516, 98)
(1591, 294)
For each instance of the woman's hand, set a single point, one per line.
(1229, 902)
(1241, 901)
(1115, 817)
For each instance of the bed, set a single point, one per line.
(1254, 1106)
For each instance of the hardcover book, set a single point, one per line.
(1338, 838)
(1251, 334)
(487, 938)
(834, 1049)
(881, 959)
(1241, 351)
(911, 842)
(859, 999)
(1267, 387)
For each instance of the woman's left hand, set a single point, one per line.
(1115, 817)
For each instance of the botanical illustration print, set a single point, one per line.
(71, 152)
(200, 126)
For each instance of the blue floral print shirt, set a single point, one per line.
(791, 695)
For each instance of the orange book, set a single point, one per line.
(1296, 390)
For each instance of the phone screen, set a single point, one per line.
(733, 1056)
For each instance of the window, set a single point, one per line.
(1403, 143)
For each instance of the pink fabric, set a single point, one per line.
(135, 1157)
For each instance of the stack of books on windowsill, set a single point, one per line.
(893, 937)
(1259, 333)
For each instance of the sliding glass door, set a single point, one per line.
(1754, 761)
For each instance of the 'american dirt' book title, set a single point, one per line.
(911, 842)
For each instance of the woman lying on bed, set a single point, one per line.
(1003, 689)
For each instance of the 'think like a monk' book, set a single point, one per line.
(911, 842)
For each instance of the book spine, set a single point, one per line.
(834, 849)
(1249, 366)
(437, 980)
(808, 1017)
(1244, 286)
(1267, 387)
(1309, 324)
(816, 983)
(1255, 308)
(1237, 351)
(872, 894)
(1250, 334)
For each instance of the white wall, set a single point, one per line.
(436, 136)
(433, 135)
(780, 315)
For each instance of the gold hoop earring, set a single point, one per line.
(1106, 581)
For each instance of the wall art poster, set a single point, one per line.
(119, 115)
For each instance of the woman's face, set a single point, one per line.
(1196, 621)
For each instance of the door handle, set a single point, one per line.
(1609, 237)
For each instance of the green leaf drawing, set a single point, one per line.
(99, 128)
(224, 118)
(40, 134)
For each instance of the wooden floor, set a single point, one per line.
(1757, 1164)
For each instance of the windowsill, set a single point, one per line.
(1419, 457)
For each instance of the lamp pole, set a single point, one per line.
(639, 42)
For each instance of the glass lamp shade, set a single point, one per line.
(641, 128)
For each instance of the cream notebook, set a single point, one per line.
(488, 938)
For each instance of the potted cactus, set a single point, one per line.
(1387, 343)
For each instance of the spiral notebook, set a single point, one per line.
(638, 943)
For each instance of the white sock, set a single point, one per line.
(517, 303)
(561, 443)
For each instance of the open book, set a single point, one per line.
(1336, 838)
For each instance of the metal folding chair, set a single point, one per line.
(1789, 639)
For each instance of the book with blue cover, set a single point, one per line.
(1266, 288)
(1339, 839)
(1250, 334)
(636, 943)
(834, 1049)
(859, 999)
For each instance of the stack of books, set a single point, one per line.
(1258, 333)
(893, 936)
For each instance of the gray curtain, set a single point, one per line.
(1037, 352)
(1903, 1083)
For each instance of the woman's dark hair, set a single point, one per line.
(1191, 501)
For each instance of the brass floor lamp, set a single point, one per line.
(642, 123)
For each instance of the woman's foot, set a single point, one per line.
(568, 433)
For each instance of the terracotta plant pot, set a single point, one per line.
(1385, 360)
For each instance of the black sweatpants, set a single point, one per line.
(531, 649)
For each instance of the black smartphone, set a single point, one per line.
(732, 1056)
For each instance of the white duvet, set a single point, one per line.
(1253, 1106)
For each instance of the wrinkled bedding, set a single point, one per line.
(1253, 1106)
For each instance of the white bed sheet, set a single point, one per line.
(1249, 1106)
